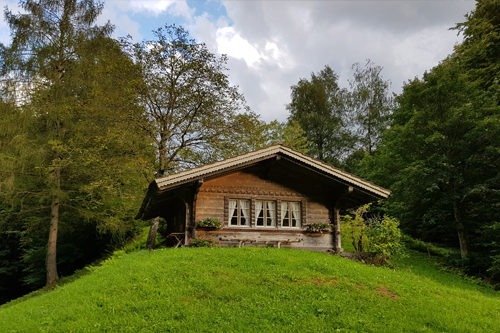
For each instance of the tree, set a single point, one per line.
(370, 102)
(188, 100)
(318, 105)
(73, 158)
(441, 157)
(480, 51)
(290, 134)
(248, 133)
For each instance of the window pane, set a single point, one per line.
(245, 212)
(233, 212)
(260, 218)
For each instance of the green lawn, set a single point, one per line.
(257, 290)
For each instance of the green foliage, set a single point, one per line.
(385, 237)
(371, 102)
(257, 290)
(201, 241)
(440, 157)
(489, 242)
(355, 228)
(137, 243)
(430, 248)
(70, 157)
(210, 223)
(289, 134)
(373, 233)
(318, 105)
(319, 227)
(342, 125)
(189, 105)
(480, 51)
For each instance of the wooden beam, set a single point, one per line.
(337, 237)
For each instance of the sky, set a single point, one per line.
(271, 45)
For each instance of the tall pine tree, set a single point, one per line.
(76, 157)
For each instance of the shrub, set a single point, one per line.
(318, 227)
(385, 236)
(380, 235)
(201, 241)
(356, 226)
(210, 223)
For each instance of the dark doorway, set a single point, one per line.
(174, 213)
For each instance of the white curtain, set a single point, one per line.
(284, 209)
(258, 208)
(271, 212)
(232, 209)
(295, 213)
(245, 211)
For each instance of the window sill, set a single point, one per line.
(259, 229)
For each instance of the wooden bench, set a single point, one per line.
(177, 238)
(241, 242)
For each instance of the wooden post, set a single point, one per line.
(337, 236)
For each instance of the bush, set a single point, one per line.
(201, 241)
(385, 236)
(380, 235)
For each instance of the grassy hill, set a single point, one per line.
(257, 290)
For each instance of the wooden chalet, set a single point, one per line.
(265, 197)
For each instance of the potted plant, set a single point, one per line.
(318, 228)
(210, 223)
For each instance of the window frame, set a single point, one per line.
(239, 216)
(265, 215)
(253, 217)
(290, 214)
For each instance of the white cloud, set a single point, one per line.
(272, 44)
(174, 7)
(232, 44)
(117, 13)
(286, 41)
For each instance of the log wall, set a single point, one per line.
(211, 202)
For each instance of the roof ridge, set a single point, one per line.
(187, 175)
(181, 173)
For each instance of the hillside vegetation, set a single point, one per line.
(256, 290)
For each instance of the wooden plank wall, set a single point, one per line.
(210, 199)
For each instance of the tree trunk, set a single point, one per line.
(51, 263)
(155, 223)
(162, 157)
(462, 235)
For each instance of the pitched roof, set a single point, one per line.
(241, 160)
(210, 170)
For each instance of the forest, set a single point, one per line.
(87, 121)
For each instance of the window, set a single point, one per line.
(290, 214)
(259, 213)
(239, 213)
(265, 213)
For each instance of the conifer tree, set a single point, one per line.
(75, 155)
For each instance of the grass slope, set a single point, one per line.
(256, 290)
